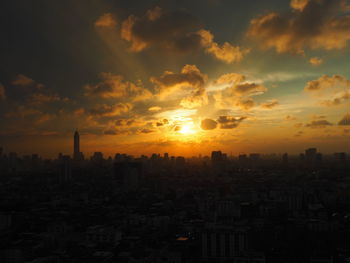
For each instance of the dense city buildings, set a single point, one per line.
(247, 209)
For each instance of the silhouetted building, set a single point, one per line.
(12, 161)
(310, 154)
(180, 162)
(242, 158)
(217, 158)
(166, 156)
(340, 157)
(35, 161)
(77, 155)
(221, 243)
(285, 158)
(76, 145)
(254, 157)
(97, 157)
(127, 174)
(65, 169)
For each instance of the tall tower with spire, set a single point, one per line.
(76, 153)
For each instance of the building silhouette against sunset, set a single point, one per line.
(77, 155)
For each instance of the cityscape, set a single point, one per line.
(163, 131)
(162, 208)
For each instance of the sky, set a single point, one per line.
(183, 77)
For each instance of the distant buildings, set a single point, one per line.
(65, 169)
(77, 155)
(127, 174)
(217, 158)
(222, 243)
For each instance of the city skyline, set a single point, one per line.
(183, 77)
(79, 156)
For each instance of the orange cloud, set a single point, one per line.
(299, 4)
(226, 52)
(335, 88)
(169, 30)
(313, 24)
(40, 98)
(315, 61)
(238, 93)
(176, 31)
(22, 80)
(223, 122)
(345, 120)
(326, 82)
(318, 124)
(245, 104)
(106, 20)
(338, 100)
(190, 78)
(230, 78)
(208, 124)
(154, 108)
(270, 104)
(104, 110)
(114, 86)
(229, 122)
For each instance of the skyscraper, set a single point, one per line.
(76, 153)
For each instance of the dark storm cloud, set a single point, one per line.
(314, 24)
(345, 120)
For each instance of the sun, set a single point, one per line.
(186, 129)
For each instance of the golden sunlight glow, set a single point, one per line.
(185, 129)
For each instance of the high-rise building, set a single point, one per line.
(76, 153)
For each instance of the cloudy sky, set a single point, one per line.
(184, 77)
